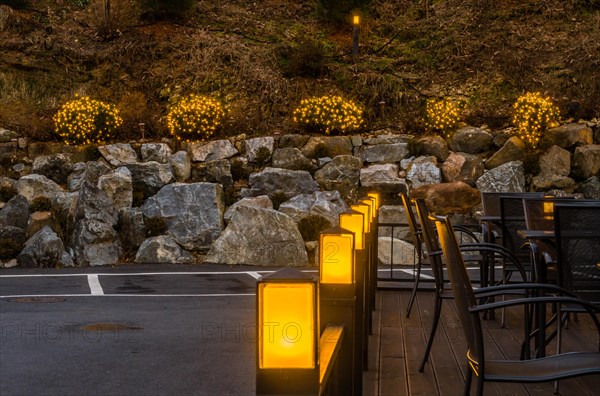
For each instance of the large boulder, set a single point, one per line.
(586, 161)
(215, 150)
(292, 158)
(383, 177)
(544, 182)
(159, 152)
(568, 136)
(327, 146)
(262, 237)
(423, 171)
(94, 239)
(117, 184)
(387, 153)
(394, 214)
(433, 145)
(35, 186)
(15, 213)
(86, 171)
(44, 249)
(271, 181)
(512, 150)
(404, 252)
(590, 188)
(218, 171)
(341, 174)
(555, 162)
(462, 167)
(325, 204)
(162, 249)
(118, 154)
(471, 140)
(262, 201)
(193, 213)
(182, 165)
(446, 198)
(252, 148)
(509, 177)
(148, 178)
(387, 138)
(56, 167)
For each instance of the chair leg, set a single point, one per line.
(480, 383)
(416, 284)
(436, 319)
(468, 381)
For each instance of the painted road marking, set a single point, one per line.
(254, 274)
(95, 286)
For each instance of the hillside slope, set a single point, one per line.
(261, 58)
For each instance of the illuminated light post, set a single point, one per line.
(355, 26)
(339, 277)
(288, 333)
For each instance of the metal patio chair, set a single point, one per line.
(551, 368)
(433, 254)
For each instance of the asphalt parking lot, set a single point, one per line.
(131, 330)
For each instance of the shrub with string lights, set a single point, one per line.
(532, 115)
(195, 117)
(85, 121)
(328, 114)
(442, 116)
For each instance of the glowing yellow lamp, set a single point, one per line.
(376, 197)
(549, 210)
(353, 220)
(336, 256)
(365, 210)
(372, 207)
(356, 20)
(288, 322)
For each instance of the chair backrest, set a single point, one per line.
(577, 231)
(539, 212)
(410, 218)
(513, 219)
(431, 243)
(462, 290)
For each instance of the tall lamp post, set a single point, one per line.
(355, 25)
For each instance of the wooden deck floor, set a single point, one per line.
(397, 345)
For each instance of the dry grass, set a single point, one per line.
(485, 53)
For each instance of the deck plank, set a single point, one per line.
(399, 344)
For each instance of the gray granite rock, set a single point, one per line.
(212, 151)
(56, 167)
(271, 181)
(159, 152)
(471, 140)
(118, 154)
(462, 167)
(88, 171)
(262, 201)
(433, 145)
(423, 171)
(252, 147)
(568, 136)
(12, 241)
(162, 249)
(341, 174)
(325, 204)
(387, 153)
(149, 177)
(555, 162)
(182, 165)
(118, 186)
(193, 213)
(15, 213)
(292, 158)
(43, 249)
(586, 161)
(262, 237)
(35, 186)
(509, 177)
(327, 146)
(512, 150)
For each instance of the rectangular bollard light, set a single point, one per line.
(337, 269)
(288, 334)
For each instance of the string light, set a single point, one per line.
(442, 115)
(195, 117)
(328, 114)
(532, 114)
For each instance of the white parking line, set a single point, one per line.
(254, 274)
(95, 286)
